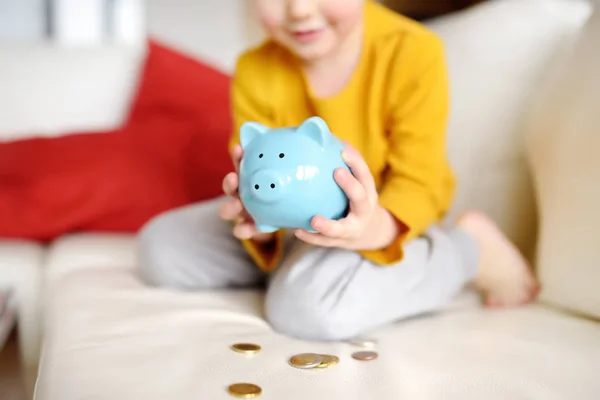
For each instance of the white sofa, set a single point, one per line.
(106, 336)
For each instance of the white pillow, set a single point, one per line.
(565, 154)
(49, 90)
(498, 54)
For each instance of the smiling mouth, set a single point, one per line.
(307, 35)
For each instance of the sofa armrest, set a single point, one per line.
(88, 251)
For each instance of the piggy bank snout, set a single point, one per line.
(267, 185)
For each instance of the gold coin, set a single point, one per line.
(244, 390)
(328, 361)
(246, 348)
(306, 360)
(365, 355)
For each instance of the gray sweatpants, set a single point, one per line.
(315, 293)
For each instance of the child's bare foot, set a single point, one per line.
(504, 276)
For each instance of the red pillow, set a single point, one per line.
(171, 151)
(186, 90)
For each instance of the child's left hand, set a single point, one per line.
(368, 226)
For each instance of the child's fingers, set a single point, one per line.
(359, 168)
(231, 209)
(230, 184)
(236, 156)
(328, 227)
(316, 239)
(244, 230)
(357, 195)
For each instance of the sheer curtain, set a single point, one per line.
(72, 22)
(91, 22)
(22, 21)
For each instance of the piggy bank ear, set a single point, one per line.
(249, 131)
(316, 129)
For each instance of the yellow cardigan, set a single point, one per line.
(393, 110)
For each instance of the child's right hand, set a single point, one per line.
(233, 210)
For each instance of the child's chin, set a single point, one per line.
(314, 52)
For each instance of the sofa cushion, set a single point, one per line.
(20, 262)
(498, 54)
(7, 314)
(104, 325)
(564, 146)
(21, 271)
(72, 253)
(171, 150)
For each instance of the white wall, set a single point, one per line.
(214, 30)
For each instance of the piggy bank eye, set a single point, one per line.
(281, 155)
(260, 155)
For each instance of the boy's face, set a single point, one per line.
(312, 29)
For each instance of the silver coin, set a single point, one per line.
(363, 342)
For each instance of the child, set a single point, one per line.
(379, 81)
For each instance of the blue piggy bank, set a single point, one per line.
(286, 175)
